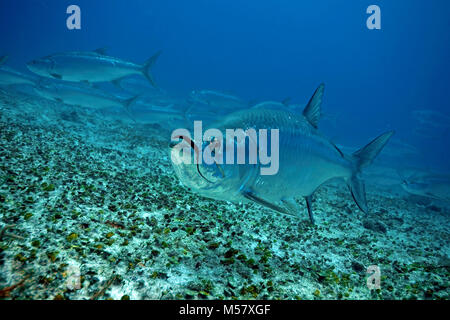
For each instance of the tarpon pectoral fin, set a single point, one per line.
(309, 206)
(312, 110)
(292, 206)
(56, 76)
(251, 196)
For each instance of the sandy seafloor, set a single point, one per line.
(99, 197)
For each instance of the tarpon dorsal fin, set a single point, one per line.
(292, 206)
(313, 108)
(101, 51)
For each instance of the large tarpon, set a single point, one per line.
(90, 67)
(307, 159)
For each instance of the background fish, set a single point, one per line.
(168, 118)
(79, 95)
(431, 186)
(217, 100)
(90, 67)
(9, 76)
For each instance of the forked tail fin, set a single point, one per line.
(362, 158)
(146, 69)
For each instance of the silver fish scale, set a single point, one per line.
(306, 158)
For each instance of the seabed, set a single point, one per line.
(90, 208)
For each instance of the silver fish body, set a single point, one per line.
(89, 67)
(307, 160)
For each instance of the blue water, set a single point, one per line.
(264, 50)
(269, 50)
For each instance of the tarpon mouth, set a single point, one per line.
(194, 147)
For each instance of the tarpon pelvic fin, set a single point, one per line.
(292, 206)
(309, 206)
(251, 196)
(312, 110)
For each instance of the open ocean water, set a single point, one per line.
(93, 207)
